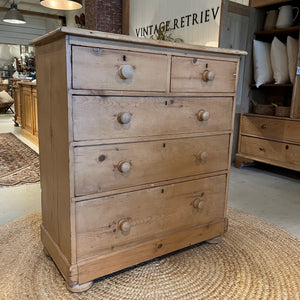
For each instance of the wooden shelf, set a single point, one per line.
(273, 85)
(278, 31)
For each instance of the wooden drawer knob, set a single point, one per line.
(198, 203)
(208, 75)
(126, 72)
(124, 167)
(203, 156)
(203, 115)
(124, 118)
(124, 225)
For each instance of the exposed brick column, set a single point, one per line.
(104, 15)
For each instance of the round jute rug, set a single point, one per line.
(255, 260)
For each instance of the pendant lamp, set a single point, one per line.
(13, 15)
(62, 4)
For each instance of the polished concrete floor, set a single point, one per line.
(270, 193)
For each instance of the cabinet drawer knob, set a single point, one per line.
(203, 115)
(126, 72)
(264, 126)
(124, 225)
(261, 148)
(124, 166)
(208, 75)
(198, 203)
(203, 156)
(124, 118)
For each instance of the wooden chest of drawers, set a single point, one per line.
(135, 142)
(271, 140)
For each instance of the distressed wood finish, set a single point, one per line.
(150, 162)
(130, 170)
(99, 68)
(203, 75)
(97, 117)
(17, 101)
(271, 128)
(177, 205)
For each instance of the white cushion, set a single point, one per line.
(279, 62)
(262, 63)
(292, 55)
(5, 98)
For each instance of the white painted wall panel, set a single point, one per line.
(144, 13)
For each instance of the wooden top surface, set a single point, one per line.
(27, 83)
(53, 35)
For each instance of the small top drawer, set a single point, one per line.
(207, 75)
(107, 69)
(282, 130)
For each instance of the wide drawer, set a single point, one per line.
(270, 150)
(110, 222)
(211, 75)
(100, 117)
(107, 69)
(284, 130)
(110, 167)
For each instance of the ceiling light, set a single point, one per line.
(14, 16)
(62, 4)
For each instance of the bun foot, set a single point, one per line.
(215, 240)
(79, 288)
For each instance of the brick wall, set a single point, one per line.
(104, 15)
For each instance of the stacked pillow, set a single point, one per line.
(275, 61)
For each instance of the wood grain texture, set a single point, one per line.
(186, 75)
(98, 68)
(150, 162)
(54, 147)
(114, 261)
(97, 117)
(263, 3)
(271, 128)
(151, 213)
(289, 154)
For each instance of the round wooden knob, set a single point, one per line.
(124, 225)
(124, 118)
(203, 115)
(208, 75)
(126, 72)
(124, 167)
(198, 203)
(203, 156)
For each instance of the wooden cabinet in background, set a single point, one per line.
(272, 139)
(17, 101)
(28, 97)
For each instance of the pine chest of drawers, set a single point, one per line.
(135, 141)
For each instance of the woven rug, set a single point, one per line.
(19, 164)
(255, 260)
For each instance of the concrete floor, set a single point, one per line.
(270, 193)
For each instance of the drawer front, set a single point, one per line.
(101, 117)
(270, 150)
(103, 69)
(271, 128)
(107, 223)
(111, 167)
(203, 75)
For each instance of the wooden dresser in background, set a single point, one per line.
(135, 142)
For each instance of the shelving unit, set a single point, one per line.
(269, 138)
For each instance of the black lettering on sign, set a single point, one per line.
(201, 18)
(195, 16)
(168, 25)
(155, 29)
(213, 12)
(137, 31)
(150, 27)
(207, 16)
(161, 25)
(188, 20)
(182, 22)
(145, 31)
(176, 23)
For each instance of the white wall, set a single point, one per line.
(145, 13)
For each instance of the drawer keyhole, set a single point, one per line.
(166, 102)
(287, 147)
(124, 57)
(164, 145)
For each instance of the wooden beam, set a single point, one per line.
(262, 3)
(125, 16)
